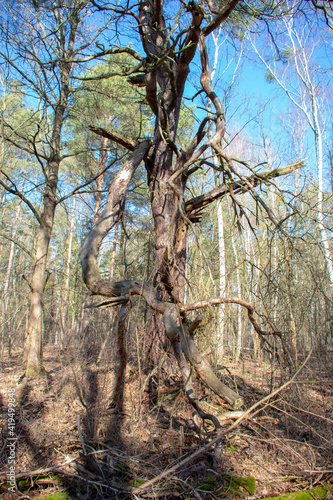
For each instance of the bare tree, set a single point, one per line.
(295, 73)
(163, 72)
(42, 44)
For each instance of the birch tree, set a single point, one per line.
(290, 64)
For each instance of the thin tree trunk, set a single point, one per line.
(64, 301)
(114, 250)
(100, 180)
(222, 281)
(324, 237)
(6, 282)
(239, 332)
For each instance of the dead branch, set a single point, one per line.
(205, 80)
(197, 138)
(199, 202)
(123, 140)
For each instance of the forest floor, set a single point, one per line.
(72, 443)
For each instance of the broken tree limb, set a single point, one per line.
(199, 202)
(122, 140)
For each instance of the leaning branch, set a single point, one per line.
(110, 216)
(228, 300)
(220, 17)
(199, 202)
(123, 140)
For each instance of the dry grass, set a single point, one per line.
(69, 417)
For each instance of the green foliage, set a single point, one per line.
(186, 126)
(319, 493)
(60, 495)
(270, 78)
(209, 484)
(111, 102)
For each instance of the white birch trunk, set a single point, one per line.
(64, 304)
(222, 281)
(239, 332)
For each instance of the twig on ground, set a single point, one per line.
(46, 470)
(201, 450)
(80, 435)
(190, 487)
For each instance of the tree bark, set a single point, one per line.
(114, 250)
(33, 355)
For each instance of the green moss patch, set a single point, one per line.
(59, 495)
(319, 493)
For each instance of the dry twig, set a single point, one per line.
(200, 451)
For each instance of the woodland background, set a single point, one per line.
(274, 250)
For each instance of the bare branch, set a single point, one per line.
(199, 202)
(20, 195)
(3, 235)
(85, 184)
(123, 140)
(220, 17)
(245, 416)
(205, 81)
(197, 138)
(226, 300)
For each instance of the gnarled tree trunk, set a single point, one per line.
(165, 71)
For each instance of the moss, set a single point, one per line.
(59, 495)
(319, 493)
(241, 486)
(40, 480)
(33, 372)
(138, 483)
(209, 484)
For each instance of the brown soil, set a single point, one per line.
(69, 417)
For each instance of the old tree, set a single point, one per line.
(169, 44)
